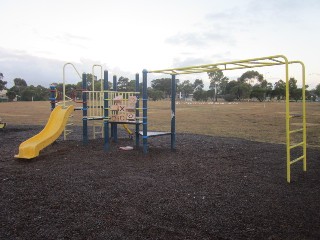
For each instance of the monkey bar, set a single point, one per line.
(255, 63)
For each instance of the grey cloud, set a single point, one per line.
(35, 70)
(42, 71)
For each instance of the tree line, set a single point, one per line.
(250, 85)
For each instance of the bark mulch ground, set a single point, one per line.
(210, 188)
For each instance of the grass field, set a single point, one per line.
(256, 121)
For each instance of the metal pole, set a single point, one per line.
(304, 121)
(53, 91)
(137, 110)
(173, 112)
(85, 109)
(288, 123)
(106, 111)
(145, 110)
(114, 126)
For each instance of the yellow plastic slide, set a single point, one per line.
(53, 129)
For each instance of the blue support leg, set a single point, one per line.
(137, 111)
(173, 112)
(84, 110)
(145, 111)
(106, 112)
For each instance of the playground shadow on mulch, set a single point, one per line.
(209, 188)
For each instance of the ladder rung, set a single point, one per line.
(67, 132)
(297, 159)
(297, 145)
(295, 115)
(296, 130)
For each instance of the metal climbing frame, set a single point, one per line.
(100, 105)
(66, 101)
(254, 63)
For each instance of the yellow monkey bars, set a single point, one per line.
(254, 63)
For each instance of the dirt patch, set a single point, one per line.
(210, 188)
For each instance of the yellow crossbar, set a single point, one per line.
(297, 145)
(296, 130)
(297, 159)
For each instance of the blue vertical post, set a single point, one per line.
(114, 127)
(106, 111)
(137, 110)
(84, 110)
(53, 90)
(173, 112)
(145, 110)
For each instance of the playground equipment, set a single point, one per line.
(114, 107)
(53, 129)
(2, 124)
(254, 63)
(118, 108)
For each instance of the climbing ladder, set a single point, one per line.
(296, 137)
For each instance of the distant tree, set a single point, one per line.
(317, 90)
(230, 86)
(222, 86)
(210, 94)
(186, 87)
(19, 82)
(229, 97)
(90, 81)
(131, 86)
(19, 86)
(163, 85)
(269, 89)
(310, 95)
(238, 89)
(2, 83)
(261, 87)
(200, 95)
(27, 94)
(251, 76)
(217, 78)
(296, 94)
(11, 95)
(97, 85)
(198, 84)
(292, 87)
(154, 94)
(279, 89)
(258, 92)
(122, 83)
(40, 93)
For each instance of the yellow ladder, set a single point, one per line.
(290, 131)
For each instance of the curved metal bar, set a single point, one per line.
(64, 80)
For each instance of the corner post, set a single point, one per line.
(114, 126)
(106, 111)
(137, 110)
(145, 110)
(84, 110)
(173, 112)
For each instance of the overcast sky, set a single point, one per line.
(127, 36)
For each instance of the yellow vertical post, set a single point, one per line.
(304, 123)
(288, 121)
